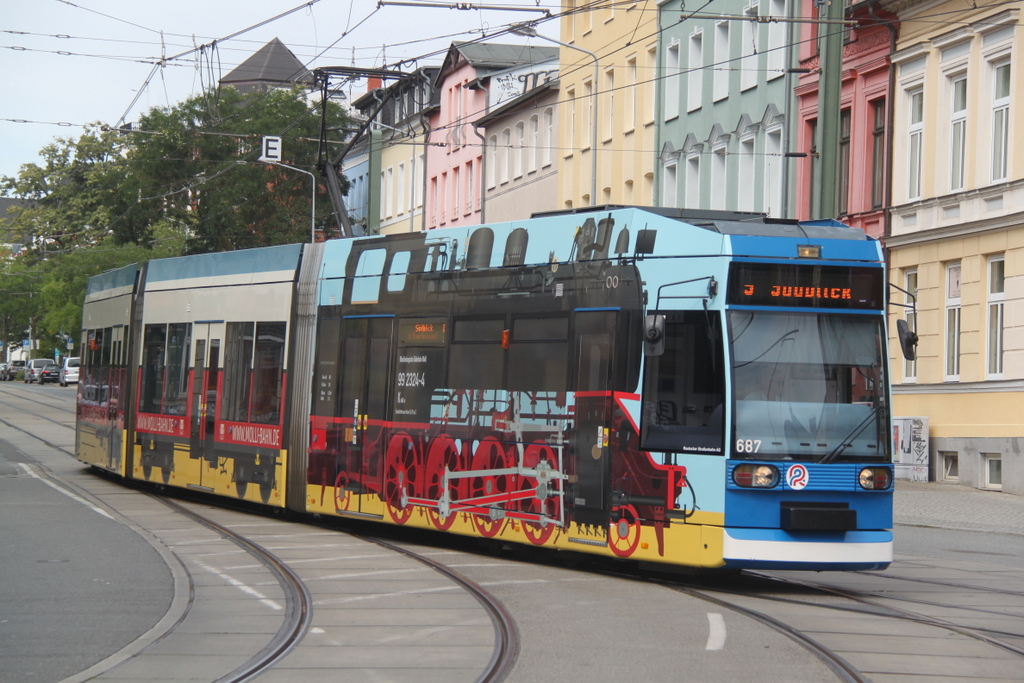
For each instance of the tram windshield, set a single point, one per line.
(808, 386)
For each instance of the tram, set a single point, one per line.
(703, 389)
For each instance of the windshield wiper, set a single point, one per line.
(849, 438)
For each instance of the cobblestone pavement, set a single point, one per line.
(957, 507)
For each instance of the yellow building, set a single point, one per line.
(957, 235)
(608, 80)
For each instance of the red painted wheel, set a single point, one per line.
(536, 454)
(400, 477)
(342, 493)
(624, 535)
(489, 455)
(443, 452)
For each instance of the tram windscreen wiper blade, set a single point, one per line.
(847, 441)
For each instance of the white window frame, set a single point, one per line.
(693, 180)
(609, 105)
(669, 183)
(773, 187)
(456, 193)
(547, 153)
(672, 78)
(958, 85)
(719, 194)
(588, 92)
(746, 169)
(695, 71)
(995, 330)
(400, 190)
(953, 328)
(534, 155)
(987, 460)
(910, 284)
(570, 148)
(1001, 122)
(722, 66)
(631, 94)
(519, 162)
(748, 36)
(492, 161)
(915, 142)
(776, 40)
(506, 157)
(470, 186)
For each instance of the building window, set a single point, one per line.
(534, 155)
(520, 155)
(570, 98)
(719, 177)
(748, 35)
(588, 92)
(773, 187)
(910, 285)
(456, 194)
(492, 159)
(996, 274)
(470, 185)
(549, 136)
(609, 93)
(694, 73)
(953, 321)
(776, 40)
(843, 181)
(669, 184)
(993, 464)
(745, 182)
(506, 155)
(958, 132)
(812, 166)
(916, 131)
(631, 99)
(723, 48)
(878, 154)
(693, 181)
(1000, 120)
(672, 76)
(950, 466)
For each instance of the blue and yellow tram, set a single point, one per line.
(705, 389)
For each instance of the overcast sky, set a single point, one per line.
(81, 61)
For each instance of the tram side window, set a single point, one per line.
(234, 405)
(684, 388)
(176, 386)
(477, 358)
(267, 372)
(538, 354)
(154, 348)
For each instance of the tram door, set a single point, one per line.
(365, 386)
(594, 373)
(205, 373)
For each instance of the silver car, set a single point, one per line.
(69, 370)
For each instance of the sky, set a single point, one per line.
(67, 63)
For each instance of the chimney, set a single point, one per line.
(372, 83)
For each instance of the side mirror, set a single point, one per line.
(654, 335)
(908, 339)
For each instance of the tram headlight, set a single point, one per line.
(755, 476)
(875, 478)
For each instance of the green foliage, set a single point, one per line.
(185, 179)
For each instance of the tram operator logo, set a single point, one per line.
(796, 477)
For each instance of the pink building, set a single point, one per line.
(864, 117)
(454, 145)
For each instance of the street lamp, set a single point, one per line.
(312, 218)
(529, 30)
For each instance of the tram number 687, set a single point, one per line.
(748, 445)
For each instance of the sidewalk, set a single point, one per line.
(957, 507)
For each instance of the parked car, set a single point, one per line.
(3, 372)
(33, 367)
(69, 370)
(12, 369)
(48, 374)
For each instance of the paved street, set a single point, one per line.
(949, 506)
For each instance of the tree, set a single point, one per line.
(196, 164)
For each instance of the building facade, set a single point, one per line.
(521, 136)
(724, 95)
(957, 235)
(608, 79)
(864, 119)
(454, 153)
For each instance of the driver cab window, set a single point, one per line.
(684, 387)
